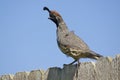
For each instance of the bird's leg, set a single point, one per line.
(78, 65)
(73, 62)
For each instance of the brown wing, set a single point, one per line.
(73, 40)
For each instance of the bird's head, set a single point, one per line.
(54, 16)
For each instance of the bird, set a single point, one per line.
(68, 42)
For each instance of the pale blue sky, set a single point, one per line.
(28, 38)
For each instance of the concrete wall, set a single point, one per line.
(104, 69)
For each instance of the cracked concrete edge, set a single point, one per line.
(99, 64)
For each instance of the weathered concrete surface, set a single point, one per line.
(6, 77)
(36, 75)
(104, 69)
(21, 76)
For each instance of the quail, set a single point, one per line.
(68, 42)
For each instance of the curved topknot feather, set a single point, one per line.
(46, 8)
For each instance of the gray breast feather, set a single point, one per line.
(72, 40)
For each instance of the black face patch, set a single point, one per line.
(53, 18)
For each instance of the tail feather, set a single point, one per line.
(94, 55)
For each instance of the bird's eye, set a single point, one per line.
(52, 15)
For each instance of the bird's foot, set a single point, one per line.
(77, 65)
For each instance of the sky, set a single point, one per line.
(28, 38)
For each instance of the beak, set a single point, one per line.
(50, 18)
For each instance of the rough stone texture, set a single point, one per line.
(6, 77)
(21, 76)
(35, 75)
(104, 69)
(115, 71)
(68, 70)
(86, 71)
(53, 74)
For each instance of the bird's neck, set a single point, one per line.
(62, 31)
(62, 27)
